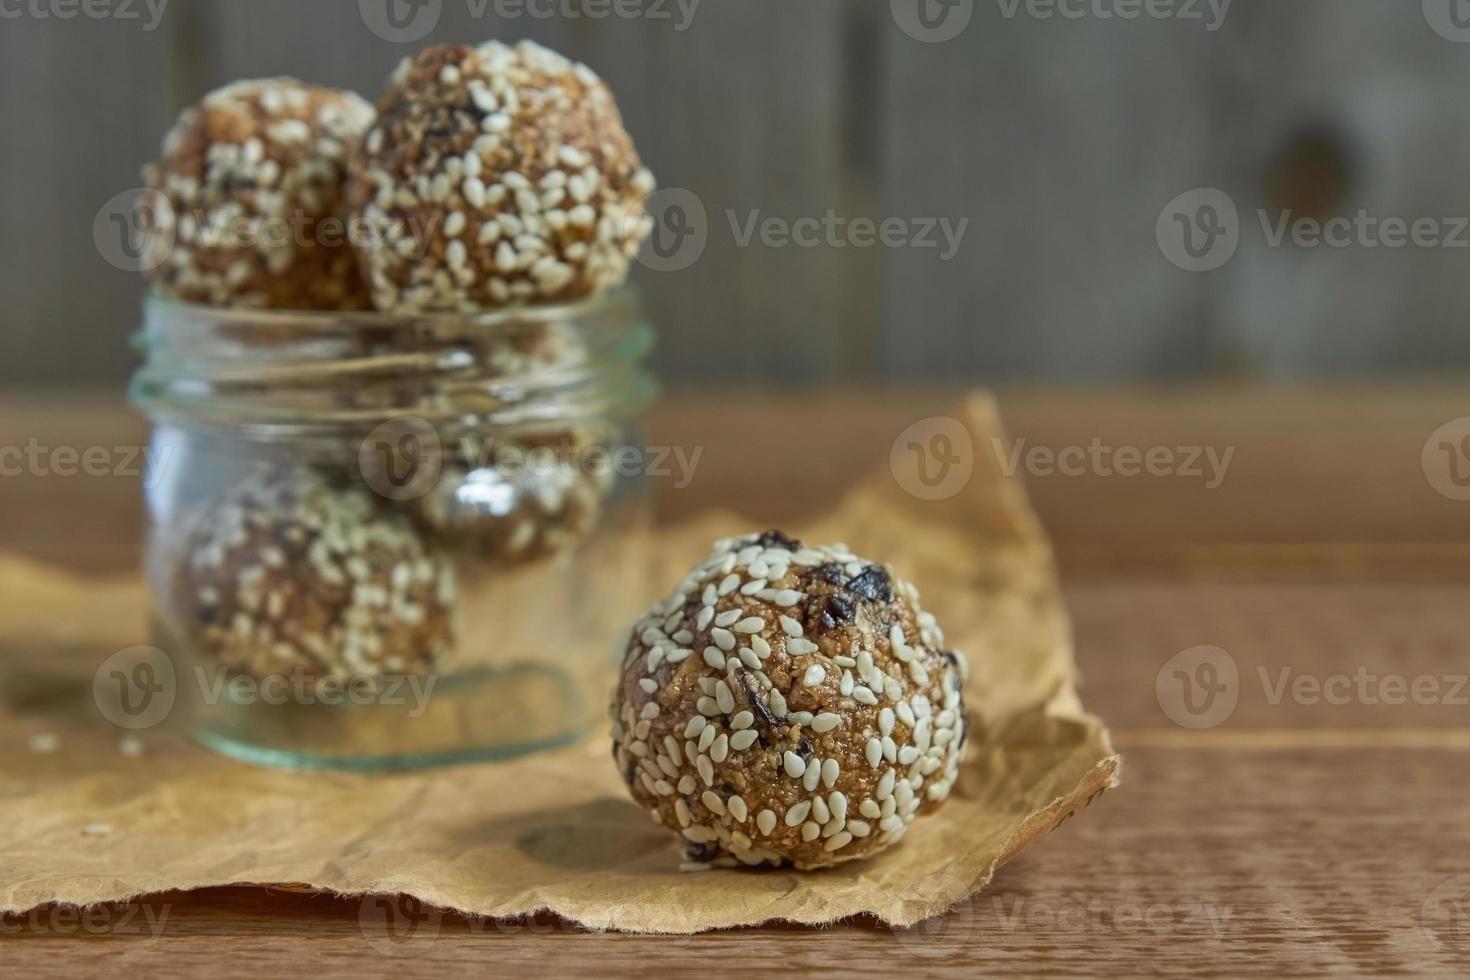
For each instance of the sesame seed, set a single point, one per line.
(712, 800)
(708, 706)
(826, 721)
(777, 703)
(815, 675)
(714, 657)
(798, 647)
(907, 755)
(813, 774)
(819, 810)
(724, 697)
(795, 766)
(706, 770)
(749, 659)
(837, 803)
(760, 646)
(863, 695)
(707, 738)
(737, 808)
(720, 750)
(838, 842)
(743, 740)
(885, 785)
(810, 831)
(870, 809)
(791, 627)
(788, 597)
(798, 812)
(742, 719)
(885, 721)
(874, 752)
(648, 684)
(723, 638)
(765, 821)
(751, 624)
(831, 769)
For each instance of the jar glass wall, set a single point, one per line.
(385, 542)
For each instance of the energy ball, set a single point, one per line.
(518, 502)
(788, 705)
(286, 573)
(252, 175)
(496, 176)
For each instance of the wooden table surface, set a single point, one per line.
(1321, 827)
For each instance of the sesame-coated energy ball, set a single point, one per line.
(253, 174)
(519, 502)
(789, 704)
(286, 573)
(496, 176)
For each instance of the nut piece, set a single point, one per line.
(251, 174)
(285, 573)
(496, 176)
(789, 704)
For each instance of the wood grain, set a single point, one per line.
(1298, 836)
(1059, 140)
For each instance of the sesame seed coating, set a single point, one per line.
(496, 176)
(251, 174)
(807, 766)
(287, 573)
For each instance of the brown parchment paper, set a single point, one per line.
(86, 823)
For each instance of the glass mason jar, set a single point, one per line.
(383, 542)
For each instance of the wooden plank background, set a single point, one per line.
(1059, 139)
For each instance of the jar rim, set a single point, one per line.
(286, 373)
(624, 294)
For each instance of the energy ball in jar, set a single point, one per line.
(518, 502)
(286, 573)
(789, 705)
(254, 178)
(496, 176)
